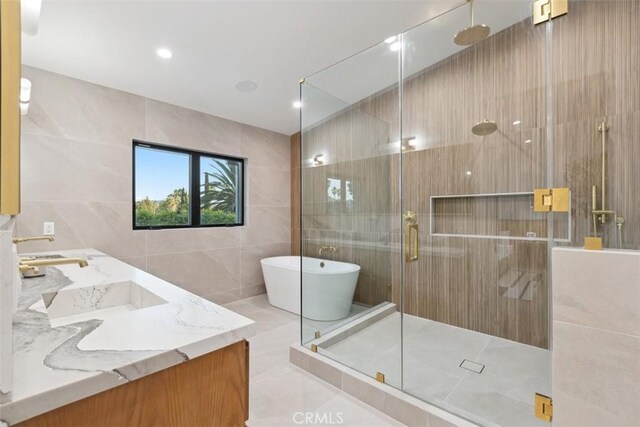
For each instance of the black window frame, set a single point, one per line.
(194, 186)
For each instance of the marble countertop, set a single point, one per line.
(93, 351)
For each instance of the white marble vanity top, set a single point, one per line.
(122, 325)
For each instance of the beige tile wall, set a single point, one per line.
(596, 338)
(76, 171)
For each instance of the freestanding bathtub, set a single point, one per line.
(328, 286)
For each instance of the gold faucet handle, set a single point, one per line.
(22, 268)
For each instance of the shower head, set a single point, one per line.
(484, 128)
(473, 33)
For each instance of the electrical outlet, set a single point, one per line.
(49, 228)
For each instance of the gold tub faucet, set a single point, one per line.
(327, 248)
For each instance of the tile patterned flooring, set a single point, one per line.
(502, 394)
(279, 390)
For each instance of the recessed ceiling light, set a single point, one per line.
(517, 122)
(297, 104)
(528, 141)
(390, 40)
(164, 53)
(246, 86)
(395, 46)
(468, 173)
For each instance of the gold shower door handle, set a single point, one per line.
(411, 240)
(410, 236)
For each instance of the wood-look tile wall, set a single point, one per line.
(354, 145)
(495, 286)
(596, 75)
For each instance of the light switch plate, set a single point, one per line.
(49, 228)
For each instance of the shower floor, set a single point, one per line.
(478, 376)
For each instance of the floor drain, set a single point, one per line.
(472, 366)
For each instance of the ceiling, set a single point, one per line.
(215, 44)
(340, 85)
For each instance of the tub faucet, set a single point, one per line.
(327, 248)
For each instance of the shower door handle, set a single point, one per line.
(411, 237)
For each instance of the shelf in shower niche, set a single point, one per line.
(500, 216)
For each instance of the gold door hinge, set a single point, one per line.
(546, 10)
(551, 199)
(543, 407)
(317, 334)
(380, 377)
(314, 348)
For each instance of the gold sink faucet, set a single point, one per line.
(31, 264)
(17, 240)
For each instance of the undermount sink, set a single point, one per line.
(97, 302)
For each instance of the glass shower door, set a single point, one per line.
(349, 169)
(475, 277)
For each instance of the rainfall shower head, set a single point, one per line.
(473, 33)
(484, 128)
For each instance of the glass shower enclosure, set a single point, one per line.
(425, 264)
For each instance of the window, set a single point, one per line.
(339, 195)
(176, 188)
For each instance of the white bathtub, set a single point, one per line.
(328, 286)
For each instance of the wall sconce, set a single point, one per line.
(318, 159)
(25, 95)
(30, 16)
(407, 144)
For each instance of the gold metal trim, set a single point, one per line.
(10, 70)
(380, 377)
(314, 348)
(593, 243)
(543, 407)
(546, 10)
(551, 199)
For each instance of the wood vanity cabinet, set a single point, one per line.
(210, 390)
(10, 71)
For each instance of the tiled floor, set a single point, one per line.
(282, 394)
(502, 394)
